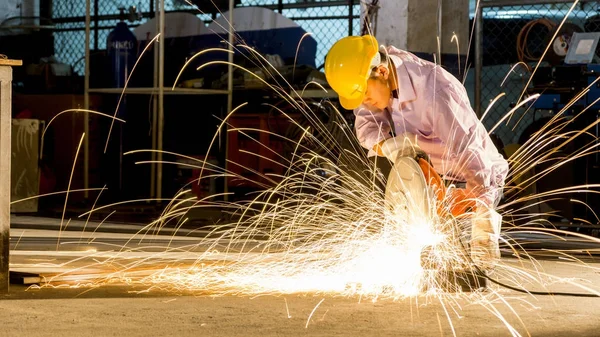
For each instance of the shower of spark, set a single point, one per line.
(318, 231)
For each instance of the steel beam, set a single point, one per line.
(478, 58)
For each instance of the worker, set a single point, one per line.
(393, 92)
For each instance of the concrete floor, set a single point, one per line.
(129, 311)
(115, 311)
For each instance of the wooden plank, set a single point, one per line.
(5, 157)
(12, 63)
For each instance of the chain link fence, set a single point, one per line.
(511, 34)
(327, 21)
(513, 40)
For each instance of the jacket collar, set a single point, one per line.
(406, 91)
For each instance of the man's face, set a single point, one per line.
(378, 92)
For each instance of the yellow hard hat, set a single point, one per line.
(348, 66)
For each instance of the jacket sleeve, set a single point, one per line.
(371, 127)
(467, 141)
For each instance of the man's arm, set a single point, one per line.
(372, 128)
(468, 142)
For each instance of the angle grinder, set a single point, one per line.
(407, 188)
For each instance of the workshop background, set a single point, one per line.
(495, 56)
(112, 222)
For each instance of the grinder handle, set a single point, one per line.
(433, 179)
(459, 201)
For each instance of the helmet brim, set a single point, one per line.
(352, 103)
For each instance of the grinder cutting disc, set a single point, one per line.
(406, 187)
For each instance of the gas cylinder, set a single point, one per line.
(121, 46)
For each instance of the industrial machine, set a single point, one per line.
(569, 85)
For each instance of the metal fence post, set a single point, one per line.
(350, 15)
(478, 58)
